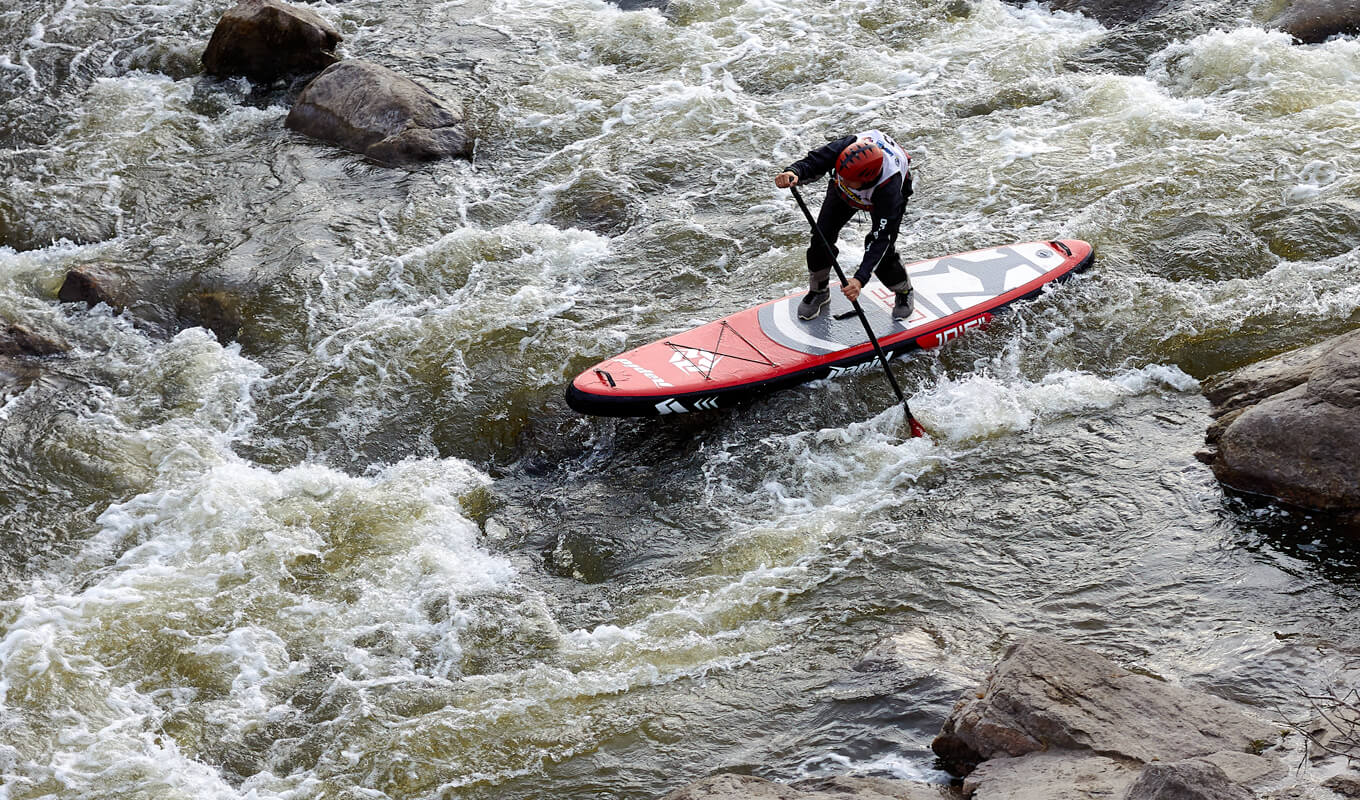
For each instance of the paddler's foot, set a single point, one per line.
(904, 304)
(813, 303)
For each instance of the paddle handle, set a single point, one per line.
(916, 429)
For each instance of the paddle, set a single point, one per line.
(916, 429)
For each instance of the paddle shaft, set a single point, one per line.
(916, 429)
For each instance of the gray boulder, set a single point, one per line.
(1047, 694)
(372, 110)
(1056, 775)
(1186, 780)
(265, 40)
(747, 787)
(1289, 427)
(1313, 21)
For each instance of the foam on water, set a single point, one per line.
(211, 599)
(861, 467)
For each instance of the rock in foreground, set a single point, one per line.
(372, 110)
(1058, 721)
(1289, 426)
(265, 40)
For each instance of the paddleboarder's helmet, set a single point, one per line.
(860, 164)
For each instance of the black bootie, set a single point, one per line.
(818, 295)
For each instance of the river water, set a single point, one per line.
(365, 551)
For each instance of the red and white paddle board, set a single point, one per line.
(768, 347)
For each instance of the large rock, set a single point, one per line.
(1186, 780)
(1047, 694)
(747, 787)
(1313, 21)
(1058, 775)
(1289, 427)
(372, 110)
(1061, 722)
(265, 40)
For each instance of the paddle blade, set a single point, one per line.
(917, 430)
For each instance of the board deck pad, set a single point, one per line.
(767, 347)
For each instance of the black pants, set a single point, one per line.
(833, 216)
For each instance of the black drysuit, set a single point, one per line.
(889, 204)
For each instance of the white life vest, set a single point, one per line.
(895, 160)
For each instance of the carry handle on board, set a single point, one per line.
(916, 429)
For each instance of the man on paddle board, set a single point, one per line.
(870, 172)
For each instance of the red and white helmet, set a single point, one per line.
(860, 164)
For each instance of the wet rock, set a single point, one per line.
(17, 341)
(590, 556)
(372, 110)
(747, 787)
(19, 350)
(594, 204)
(265, 40)
(93, 284)
(216, 309)
(1314, 21)
(1186, 780)
(1047, 696)
(1289, 427)
(16, 376)
(1024, 95)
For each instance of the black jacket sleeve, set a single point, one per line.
(820, 161)
(890, 203)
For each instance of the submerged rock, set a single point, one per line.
(372, 110)
(217, 310)
(747, 787)
(1289, 426)
(1058, 721)
(20, 349)
(1112, 13)
(265, 40)
(17, 341)
(1314, 21)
